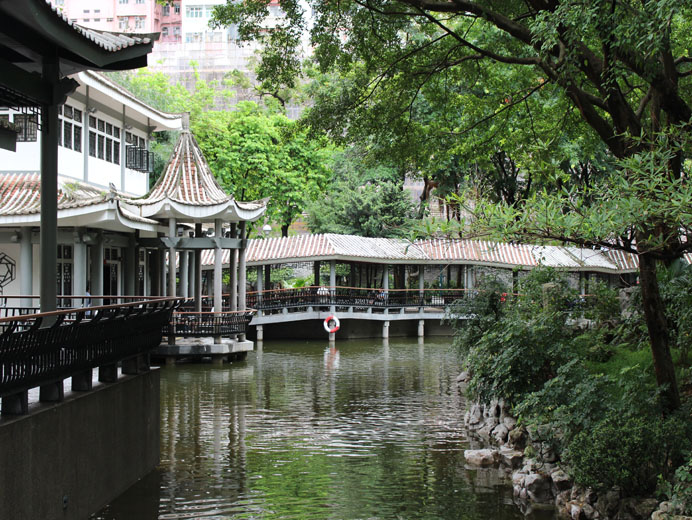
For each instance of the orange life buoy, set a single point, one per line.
(331, 319)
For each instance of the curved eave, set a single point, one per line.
(228, 211)
(104, 215)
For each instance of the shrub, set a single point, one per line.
(679, 492)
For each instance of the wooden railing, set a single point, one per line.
(43, 349)
(205, 324)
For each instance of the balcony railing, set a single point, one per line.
(39, 350)
(355, 297)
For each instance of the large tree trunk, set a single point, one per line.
(657, 325)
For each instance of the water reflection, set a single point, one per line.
(357, 429)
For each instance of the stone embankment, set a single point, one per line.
(544, 483)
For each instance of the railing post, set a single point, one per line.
(83, 382)
(52, 392)
(16, 404)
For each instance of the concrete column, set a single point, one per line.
(79, 278)
(191, 275)
(184, 268)
(385, 288)
(26, 267)
(162, 272)
(48, 245)
(85, 135)
(260, 332)
(421, 283)
(421, 328)
(130, 264)
(233, 266)
(316, 272)
(198, 271)
(385, 330)
(332, 284)
(259, 289)
(218, 259)
(96, 277)
(242, 270)
(172, 271)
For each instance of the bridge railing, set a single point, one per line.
(43, 349)
(356, 297)
(206, 324)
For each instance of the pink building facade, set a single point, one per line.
(135, 16)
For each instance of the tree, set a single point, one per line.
(255, 154)
(365, 200)
(622, 64)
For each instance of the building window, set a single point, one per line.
(86, 11)
(104, 140)
(87, 20)
(27, 127)
(176, 31)
(109, 19)
(122, 1)
(164, 31)
(137, 156)
(139, 1)
(97, 19)
(176, 8)
(123, 22)
(139, 22)
(59, 3)
(64, 273)
(166, 10)
(194, 11)
(193, 37)
(96, 11)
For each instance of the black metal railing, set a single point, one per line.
(40, 349)
(356, 297)
(205, 324)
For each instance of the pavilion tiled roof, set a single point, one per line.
(20, 194)
(188, 190)
(303, 248)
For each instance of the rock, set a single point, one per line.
(518, 478)
(500, 433)
(576, 512)
(636, 508)
(560, 481)
(509, 422)
(510, 457)
(517, 438)
(561, 500)
(590, 496)
(481, 457)
(538, 487)
(475, 414)
(486, 430)
(463, 377)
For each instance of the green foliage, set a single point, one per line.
(679, 492)
(256, 154)
(365, 200)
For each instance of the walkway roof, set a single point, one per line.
(349, 248)
(188, 191)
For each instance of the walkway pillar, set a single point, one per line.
(26, 267)
(172, 233)
(385, 330)
(154, 277)
(96, 278)
(184, 256)
(421, 328)
(198, 271)
(79, 259)
(332, 285)
(48, 241)
(191, 275)
(259, 290)
(233, 266)
(242, 274)
(385, 287)
(316, 273)
(421, 284)
(162, 273)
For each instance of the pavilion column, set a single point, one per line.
(267, 277)
(26, 267)
(184, 255)
(242, 274)
(233, 266)
(421, 284)
(162, 273)
(155, 277)
(197, 279)
(96, 278)
(191, 275)
(218, 264)
(172, 234)
(48, 247)
(332, 284)
(130, 259)
(79, 259)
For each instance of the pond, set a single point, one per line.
(367, 429)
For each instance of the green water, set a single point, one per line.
(301, 431)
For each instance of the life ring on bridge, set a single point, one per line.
(331, 319)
